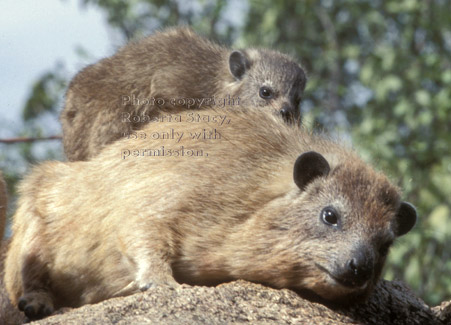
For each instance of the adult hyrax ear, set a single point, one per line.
(309, 166)
(406, 218)
(238, 64)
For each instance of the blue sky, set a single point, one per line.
(34, 35)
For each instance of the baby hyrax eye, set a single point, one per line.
(329, 216)
(266, 93)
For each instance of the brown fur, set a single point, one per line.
(8, 313)
(3, 205)
(169, 65)
(88, 231)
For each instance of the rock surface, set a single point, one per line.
(240, 302)
(244, 302)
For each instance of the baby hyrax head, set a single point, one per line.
(339, 223)
(268, 78)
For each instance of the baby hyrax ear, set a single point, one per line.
(238, 64)
(309, 166)
(406, 218)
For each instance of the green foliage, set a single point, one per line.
(45, 94)
(378, 70)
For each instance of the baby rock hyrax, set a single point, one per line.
(264, 201)
(119, 94)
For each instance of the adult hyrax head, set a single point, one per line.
(336, 228)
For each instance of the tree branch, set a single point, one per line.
(24, 139)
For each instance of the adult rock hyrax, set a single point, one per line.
(262, 201)
(119, 94)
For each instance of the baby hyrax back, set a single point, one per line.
(264, 201)
(172, 70)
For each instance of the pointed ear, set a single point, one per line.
(405, 218)
(309, 166)
(238, 64)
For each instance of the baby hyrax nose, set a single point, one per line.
(288, 112)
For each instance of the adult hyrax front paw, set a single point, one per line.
(36, 305)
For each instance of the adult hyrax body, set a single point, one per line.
(121, 93)
(264, 201)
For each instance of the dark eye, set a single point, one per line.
(329, 216)
(383, 250)
(266, 93)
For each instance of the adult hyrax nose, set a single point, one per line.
(357, 270)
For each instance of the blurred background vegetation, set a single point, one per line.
(379, 74)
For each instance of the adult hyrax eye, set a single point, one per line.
(266, 93)
(329, 216)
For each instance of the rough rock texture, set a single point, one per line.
(243, 302)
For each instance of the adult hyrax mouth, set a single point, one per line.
(345, 282)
